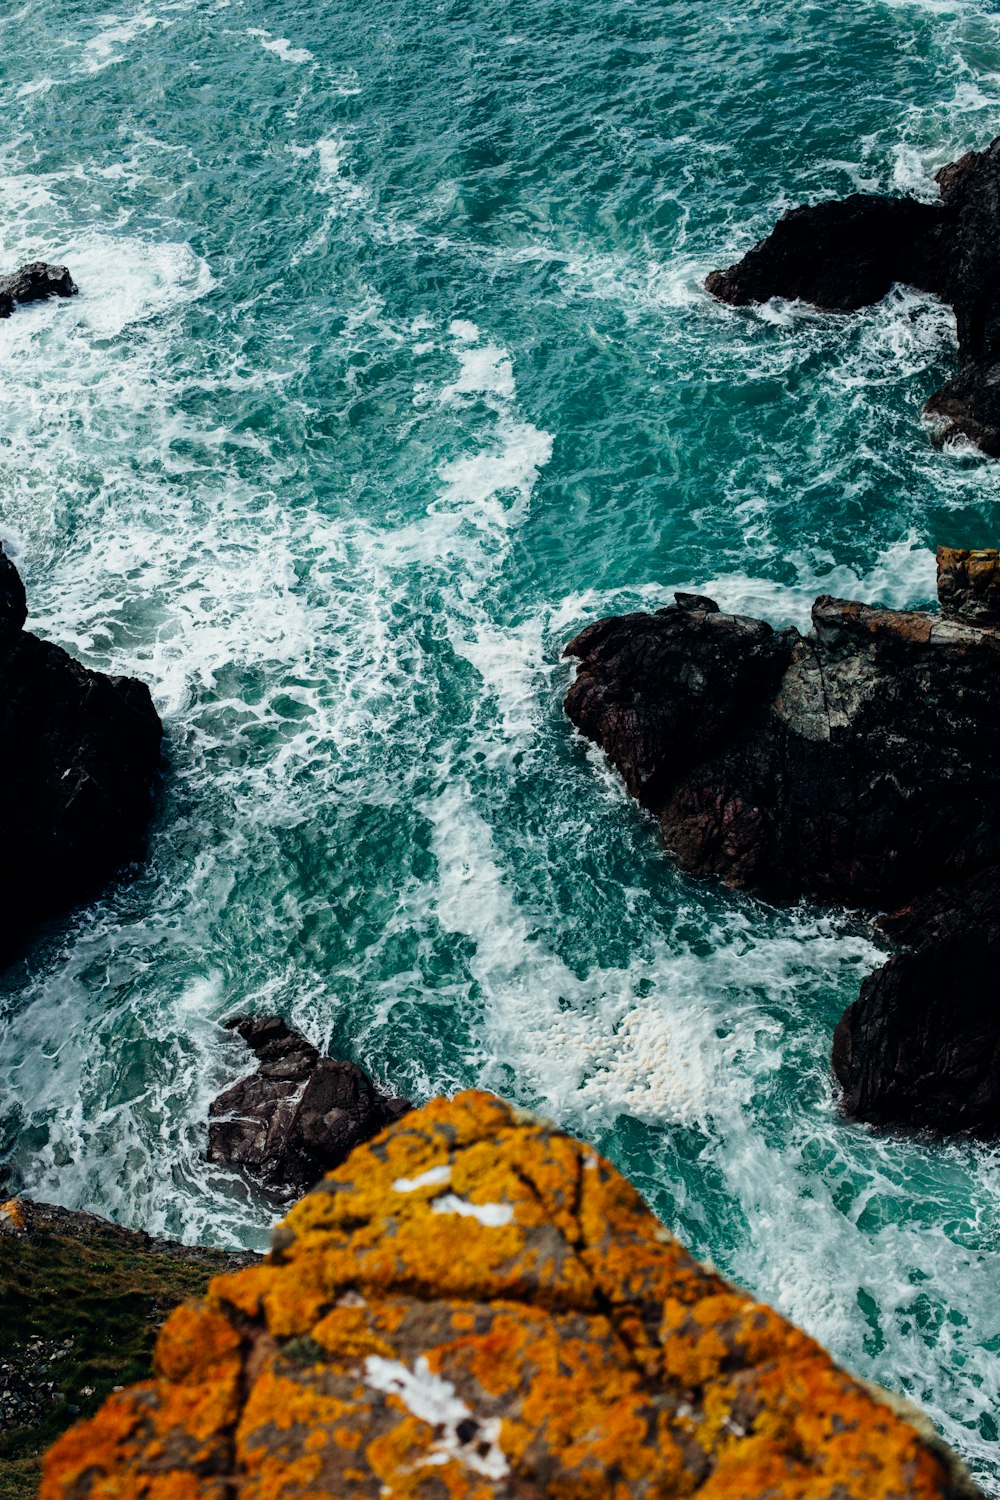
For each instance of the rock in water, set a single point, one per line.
(921, 1044)
(298, 1116)
(476, 1305)
(847, 254)
(858, 763)
(34, 283)
(79, 756)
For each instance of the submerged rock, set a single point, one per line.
(298, 1116)
(477, 1305)
(34, 283)
(79, 755)
(858, 763)
(847, 254)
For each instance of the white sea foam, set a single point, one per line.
(280, 46)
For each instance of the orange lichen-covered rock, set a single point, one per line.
(473, 1306)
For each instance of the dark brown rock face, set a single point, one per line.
(848, 254)
(79, 755)
(34, 283)
(298, 1116)
(860, 763)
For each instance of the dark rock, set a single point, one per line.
(921, 1044)
(848, 254)
(838, 255)
(79, 755)
(661, 693)
(34, 283)
(298, 1116)
(861, 763)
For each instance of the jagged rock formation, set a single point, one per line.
(81, 1302)
(34, 283)
(477, 1305)
(79, 754)
(298, 1116)
(845, 255)
(858, 763)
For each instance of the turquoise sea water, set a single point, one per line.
(391, 368)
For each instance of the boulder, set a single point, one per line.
(847, 254)
(34, 283)
(79, 757)
(476, 1305)
(298, 1116)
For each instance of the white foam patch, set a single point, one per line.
(434, 1401)
(490, 1215)
(116, 33)
(280, 46)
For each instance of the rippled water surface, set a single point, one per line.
(390, 369)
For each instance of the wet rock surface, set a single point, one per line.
(35, 282)
(298, 1115)
(847, 254)
(477, 1305)
(858, 763)
(79, 758)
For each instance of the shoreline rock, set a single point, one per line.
(859, 763)
(842, 255)
(35, 282)
(79, 759)
(298, 1116)
(477, 1305)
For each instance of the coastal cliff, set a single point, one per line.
(476, 1305)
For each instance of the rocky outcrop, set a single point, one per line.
(477, 1305)
(79, 754)
(921, 1044)
(858, 763)
(81, 1303)
(847, 254)
(298, 1116)
(35, 283)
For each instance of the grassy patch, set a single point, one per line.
(80, 1305)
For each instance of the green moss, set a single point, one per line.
(80, 1305)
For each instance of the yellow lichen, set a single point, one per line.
(476, 1304)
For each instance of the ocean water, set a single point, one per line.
(391, 369)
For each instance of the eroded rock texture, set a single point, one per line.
(473, 1306)
(79, 754)
(35, 283)
(846, 255)
(858, 763)
(298, 1116)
